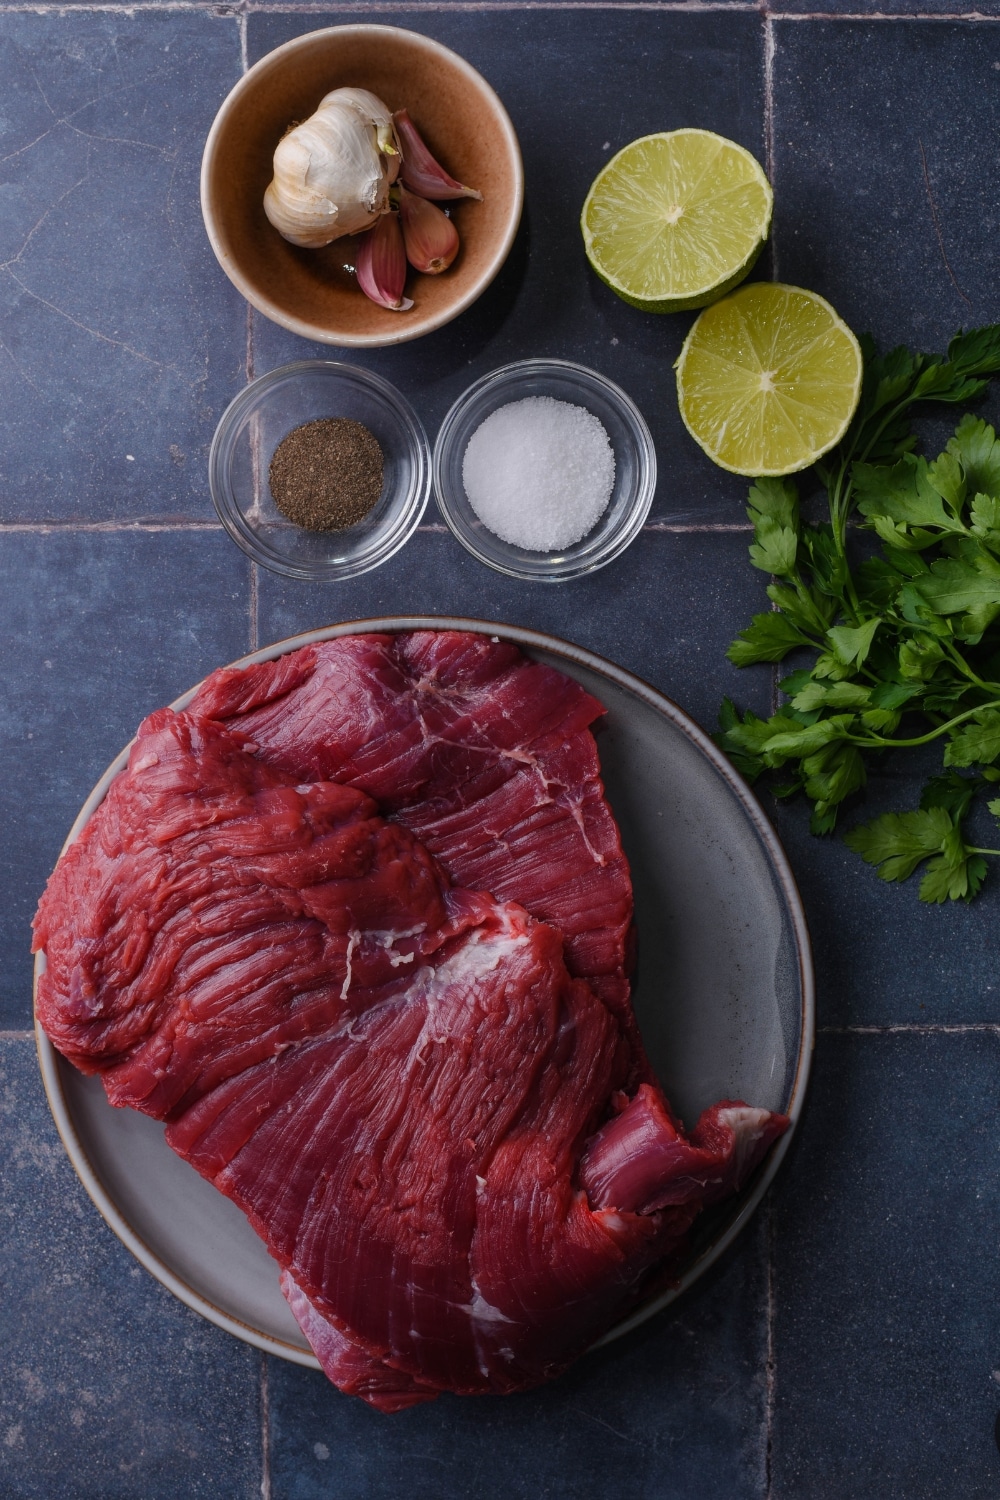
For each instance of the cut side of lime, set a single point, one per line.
(768, 379)
(676, 220)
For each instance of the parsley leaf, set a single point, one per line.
(952, 792)
(851, 644)
(903, 646)
(978, 451)
(774, 510)
(953, 584)
(768, 637)
(898, 842)
(978, 742)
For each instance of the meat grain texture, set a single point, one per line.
(356, 925)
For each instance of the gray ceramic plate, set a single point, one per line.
(724, 997)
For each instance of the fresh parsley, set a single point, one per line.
(896, 648)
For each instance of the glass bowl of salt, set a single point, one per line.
(357, 533)
(544, 470)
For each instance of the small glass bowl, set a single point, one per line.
(270, 408)
(635, 468)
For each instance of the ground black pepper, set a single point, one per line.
(327, 475)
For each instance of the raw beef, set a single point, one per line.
(434, 1126)
(487, 757)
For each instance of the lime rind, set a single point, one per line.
(814, 366)
(721, 232)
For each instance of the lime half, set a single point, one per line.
(676, 220)
(768, 379)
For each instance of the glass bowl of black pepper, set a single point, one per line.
(320, 470)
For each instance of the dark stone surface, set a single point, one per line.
(882, 956)
(120, 335)
(120, 343)
(886, 200)
(886, 1274)
(96, 630)
(674, 1411)
(577, 92)
(666, 610)
(109, 1388)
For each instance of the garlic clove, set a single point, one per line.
(420, 172)
(330, 177)
(380, 264)
(429, 236)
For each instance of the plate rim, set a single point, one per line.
(50, 1061)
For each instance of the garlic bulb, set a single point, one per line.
(332, 173)
(370, 106)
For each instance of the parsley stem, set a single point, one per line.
(876, 740)
(839, 499)
(966, 670)
(970, 850)
(890, 416)
(841, 493)
(809, 605)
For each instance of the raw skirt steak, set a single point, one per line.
(431, 1106)
(487, 757)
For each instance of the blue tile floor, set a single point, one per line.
(678, 1408)
(848, 1347)
(119, 343)
(110, 1386)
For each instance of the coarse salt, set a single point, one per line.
(539, 473)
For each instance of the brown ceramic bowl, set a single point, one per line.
(465, 126)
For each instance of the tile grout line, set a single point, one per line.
(239, 10)
(44, 528)
(680, 7)
(770, 1368)
(683, 7)
(881, 15)
(253, 630)
(126, 8)
(769, 47)
(768, 24)
(253, 603)
(695, 7)
(416, 6)
(691, 7)
(914, 1028)
(685, 526)
(776, 670)
(265, 1429)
